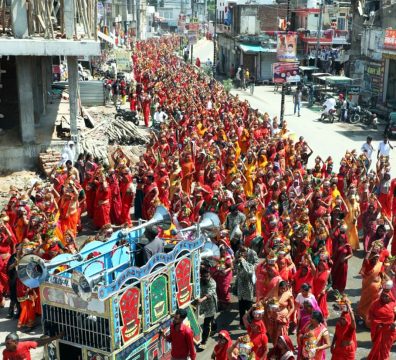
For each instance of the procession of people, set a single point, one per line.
(288, 228)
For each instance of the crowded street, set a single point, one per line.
(232, 236)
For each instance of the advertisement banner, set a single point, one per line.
(192, 37)
(285, 72)
(286, 50)
(390, 40)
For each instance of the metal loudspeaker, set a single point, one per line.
(210, 222)
(33, 270)
(161, 218)
(82, 285)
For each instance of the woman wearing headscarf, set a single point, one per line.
(382, 316)
(224, 342)
(257, 332)
(222, 274)
(313, 339)
(284, 349)
(309, 307)
(344, 342)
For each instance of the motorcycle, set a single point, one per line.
(127, 115)
(329, 115)
(354, 114)
(369, 118)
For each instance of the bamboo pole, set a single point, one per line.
(62, 17)
(51, 28)
(4, 15)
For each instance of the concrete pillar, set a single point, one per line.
(36, 96)
(25, 93)
(46, 78)
(72, 71)
(19, 19)
(69, 12)
(39, 87)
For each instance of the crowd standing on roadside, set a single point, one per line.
(288, 229)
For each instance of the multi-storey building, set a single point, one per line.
(32, 34)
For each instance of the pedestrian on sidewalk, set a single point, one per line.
(297, 97)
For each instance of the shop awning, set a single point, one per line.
(252, 48)
(105, 37)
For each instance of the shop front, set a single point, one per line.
(389, 57)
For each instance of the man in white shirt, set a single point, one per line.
(384, 148)
(368, 149)
(160, 116)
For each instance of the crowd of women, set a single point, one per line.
(288, 229)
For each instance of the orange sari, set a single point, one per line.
(371, 284)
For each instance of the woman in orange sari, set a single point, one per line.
(371, 284)
(68, 207)
(188, 170)
(21, 224)
(351, 221)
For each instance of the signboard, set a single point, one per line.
(181, 24)
(284, 72)
(193, 27)
(353, 90)
(192, 38)
(390, 40)
(286, 47)
(375, 71)
(123, 59)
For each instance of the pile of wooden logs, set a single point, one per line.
(48, 159)
(111, 132)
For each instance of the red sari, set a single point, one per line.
(382, 317)
(319, 290)
(220, 350)
(102, 208)
(223, 280)
(345, 340)
(115, 201)
(149, 195)
(339, 271)
(259, 338)
(127, 198)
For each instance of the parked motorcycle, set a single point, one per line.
(329, 115)
(354, 114)
(368, 118)
(127, 115)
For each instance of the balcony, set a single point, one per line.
(46, 19)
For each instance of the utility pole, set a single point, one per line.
(318, 35)
(214, 39)
(192, 17)
(282, 112)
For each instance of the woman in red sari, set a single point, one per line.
(150, 198)
(344, 342)
(68, 208)
(267, 279)
(115, 198)
(127, 198)
(382, 316)
(102, 203)
(339, 271)
(257, 333)
(319, 289)
(222, 346)
(222, 274)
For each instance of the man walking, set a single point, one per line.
(297, 97)
(208, 306)
(181, 338)
(368, 149)
(384, 148)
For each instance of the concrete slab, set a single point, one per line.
(44, 47)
